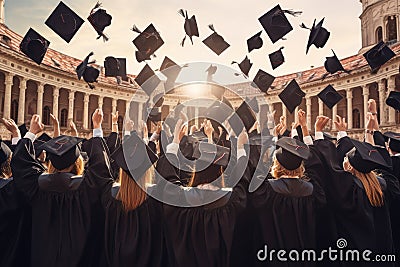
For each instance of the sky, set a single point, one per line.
(235, 20)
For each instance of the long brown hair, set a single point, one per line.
(131, 192)
(278, 171)
(372, 187)
(76, 168)
(204, 177)
(5, 168)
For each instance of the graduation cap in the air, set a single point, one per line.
(134, 156)
(115, 67)
(100, 20)
(64, 21)
(158, 100)
(210, 153)
(291, 152)
(89, 73)
(170, 70)
(245, 116)
(218, 112)
(147, 42)
(216, 42)
(393, 100)
(34, 46)
(244, 66)
(23, 129)
(318, 35)
(5, 152)
(365, 158)
(147, 80)
(330, 96)
(292, 95)
(63, 150)
(276, 58)
(276, 24)
(190, 26)
(263, 80)
(378, 55)
(254, 42)
(394, 141)
(333, 65)
(154, 114)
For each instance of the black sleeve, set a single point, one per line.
(392, 192)
(314, 170)
(113, 142)
(25, 168)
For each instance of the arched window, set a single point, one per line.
(356, 119)
(64, 118)
(120, 122)
(46, 115)
(391, 29)
(14, 110)
(379, 34)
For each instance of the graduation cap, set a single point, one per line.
(292, 95)
(5, 152)
(263, 80)
(170, 69)
(134, 156)
(218, 112)
(333, 65)
(244, 116)
(89, 73)
(63, 150)
(158, 100)
(64, 21)
(378, 55)
(364, 157)
(276, 24)
(147, 80)
(190, 26)
(216, 42)
(34, 46)
(276, 58)
(100, 20)
(154, 114)
(318, 35)
(210, 153)
(115, 67)
(253, 104)
(23, 129)
(39, 142)
(394, 141)
(393, 100)
(244, 66)
(291, 152)
(330, 96)
(147, 42)
(254, 42)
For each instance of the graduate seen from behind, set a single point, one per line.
(67, 228)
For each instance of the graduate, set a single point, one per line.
(67, 219)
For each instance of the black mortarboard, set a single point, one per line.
(333, 65)
(64, 21)
(63, 150)
(246, 117)
(244, 66)
(5, 152)
(216, 42)
(210, 153)
(393, 100)
(378, 55)
(254, 42)
(154, 114)
(291, 152)
(115, 67)
(147, 80)
(141, 56)
(276, 58)
(365, 158)
(263, 80)
(147, 42)
(158, 100)
(34, 46)
(253, 104)
(89, 73)
(292, 95)
(330, 96)
(39, 142)
(23, 129)
(190, 26)
(394, 141)
(170, 69)
(99, 20)
(276, 24)
(318, 35)
(219, 112)
(134, 156)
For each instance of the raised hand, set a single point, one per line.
(97, 118)
(56, 125)
(114, 117)
(179, 131)
(36, 124)
(11, 126)
(72, 127)
(301, 118)
(372, 106)
(321, 122)
(340, 123)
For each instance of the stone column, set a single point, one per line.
(334, 113)
(320, 107)
(365, 93)
(56, 94)
(392, 112)
(7, 95)
(382, 99)
(40, 91)
(71, 98)
(349, 97)
(100, 101)
(21, 102)
(86, 111)
(114, 105)
(309, 112)
(196, 115)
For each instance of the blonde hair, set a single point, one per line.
(278, 171)
(131, 192)
(372, 187)
(76, 168)
(5, 168)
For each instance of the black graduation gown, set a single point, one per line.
(201, 236)
(358, 222)
(15, 226)
(113, 142)
(136, 237)
(395, 208)
(67, 217)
